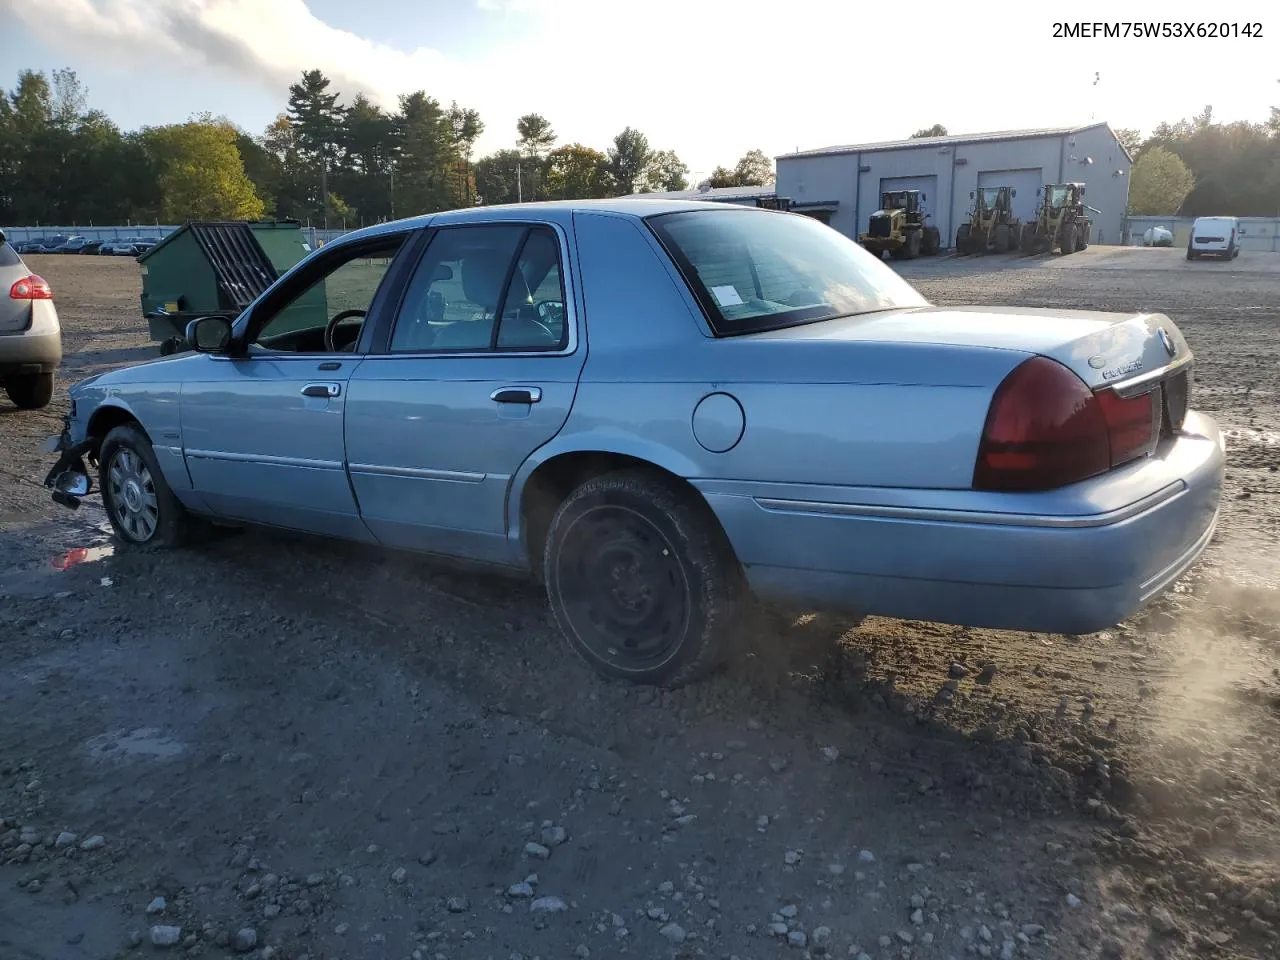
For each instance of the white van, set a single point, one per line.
(1214, 236)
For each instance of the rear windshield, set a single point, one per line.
(8, 256)
(756, 270)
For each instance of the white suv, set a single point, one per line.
(1214, 236)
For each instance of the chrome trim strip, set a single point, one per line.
(935, 515)
(416, 473)
(264, 459)
(1134, 386)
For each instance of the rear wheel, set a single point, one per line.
(30, 391)
(1002, 238)
(642, 580)
(142, 509)
(911, 249)
(1082, 239)
(962, 239)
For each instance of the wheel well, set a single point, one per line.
(554, 480)
(106, 419)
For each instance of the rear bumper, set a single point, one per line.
(1058, 572)
(30, 352)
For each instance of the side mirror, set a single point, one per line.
(923, 197)
(442, 272)
(209, 334)
(1013, 193)
(970, 194)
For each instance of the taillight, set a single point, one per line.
(1045, 428)
(30, 288)
(1132, 424)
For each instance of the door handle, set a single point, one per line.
(516, 395)
(321, 390)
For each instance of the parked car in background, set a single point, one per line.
(70, 245)
(44, 244)
(91, 248)
(118, 248)
(1158, 236)
(1214, 236)
(143, 244)
(30, 337)
(765, 409)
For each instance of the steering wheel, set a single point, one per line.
(332, 325)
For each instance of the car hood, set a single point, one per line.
(1099, 347)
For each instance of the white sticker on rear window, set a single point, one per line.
(726, 296)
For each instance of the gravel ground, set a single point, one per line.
(278, 747)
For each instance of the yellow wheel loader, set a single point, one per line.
(992, 227)
(1062, 223)
(899, 227)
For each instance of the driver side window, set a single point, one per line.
(481, 288)
(337, 301)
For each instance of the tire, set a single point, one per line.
(1067, 240)
(1191, 254)
(1002, 238)
(962, 239)
(932, 241)
(637, 518)
(139, 484)
(911, 249)
(31, 391)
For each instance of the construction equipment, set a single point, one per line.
(899, 227)
(1061, 223)
(216, 267)
(992, 227)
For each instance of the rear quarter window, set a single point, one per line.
(8, 256)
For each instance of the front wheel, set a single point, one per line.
(641, 579)
(142, 509)
(31, 391)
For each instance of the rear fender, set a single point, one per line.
(602, 441)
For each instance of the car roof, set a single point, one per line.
(630, 206)
(1214, 219)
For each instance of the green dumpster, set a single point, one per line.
(219, 267)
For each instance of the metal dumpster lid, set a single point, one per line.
(238, 260)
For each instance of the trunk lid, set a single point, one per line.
(1102, 349)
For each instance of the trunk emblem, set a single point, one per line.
(1167, 340)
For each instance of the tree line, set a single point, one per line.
(323, 160)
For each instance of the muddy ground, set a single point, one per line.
(278, 747)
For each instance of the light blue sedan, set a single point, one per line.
(661, 409)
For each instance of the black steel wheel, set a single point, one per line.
(142, 509)
(641, 579)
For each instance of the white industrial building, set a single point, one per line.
(842, 185)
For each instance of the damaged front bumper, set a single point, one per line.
(69, 478)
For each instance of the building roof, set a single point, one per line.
(711, 193)
(952, 139)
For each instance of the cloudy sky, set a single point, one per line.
(710, 79)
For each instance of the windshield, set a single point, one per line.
(759, 270)
(988, 196)
(1059, 196)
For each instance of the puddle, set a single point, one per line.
(77, 555)
(39, 578)
(145, 743)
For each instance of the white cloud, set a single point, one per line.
(710, 78)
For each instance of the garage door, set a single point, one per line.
(926, 185)
(1025, 182)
